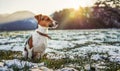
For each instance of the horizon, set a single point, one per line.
(41, 6)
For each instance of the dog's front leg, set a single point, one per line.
(30, 53)
(25, 53)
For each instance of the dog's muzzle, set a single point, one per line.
(53, 25)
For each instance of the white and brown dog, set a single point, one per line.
(37, 43)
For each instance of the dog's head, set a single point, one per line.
(46, 21)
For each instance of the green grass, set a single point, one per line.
(6, 55)
(78, 62)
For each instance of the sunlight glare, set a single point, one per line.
(83, 3)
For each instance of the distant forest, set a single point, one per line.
(104, 14)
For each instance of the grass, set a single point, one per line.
(78, 62)
(112, 43)
(9, 55)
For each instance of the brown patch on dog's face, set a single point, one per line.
(45, 21)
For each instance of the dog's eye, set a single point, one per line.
(42, 18)
(47, 19)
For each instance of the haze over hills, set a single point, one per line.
(26, 24)
(21, 20)
(19, 15)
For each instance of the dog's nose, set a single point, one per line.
(56, 23)
(51, 25)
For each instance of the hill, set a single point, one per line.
(21, 20)
(26, 24)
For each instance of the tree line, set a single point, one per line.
(104, 14)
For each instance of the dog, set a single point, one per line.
(36, 45)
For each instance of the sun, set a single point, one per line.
(83, 3)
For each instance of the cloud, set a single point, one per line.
(15, 16)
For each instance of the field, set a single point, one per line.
(74, 50)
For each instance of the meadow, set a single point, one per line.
(74, 50)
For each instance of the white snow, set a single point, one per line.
(8, 64)
(96, 57)
(21, 64)
(65, 42)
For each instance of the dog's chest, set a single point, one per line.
(39, 41)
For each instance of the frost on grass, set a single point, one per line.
(78, 49)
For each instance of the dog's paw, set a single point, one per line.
(25, 54)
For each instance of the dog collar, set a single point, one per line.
(46, 35)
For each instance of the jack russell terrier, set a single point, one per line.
(37, 43)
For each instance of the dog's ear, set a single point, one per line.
(38, 17)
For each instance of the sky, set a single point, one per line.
(41, 6)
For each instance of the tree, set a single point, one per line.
(108, 3)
